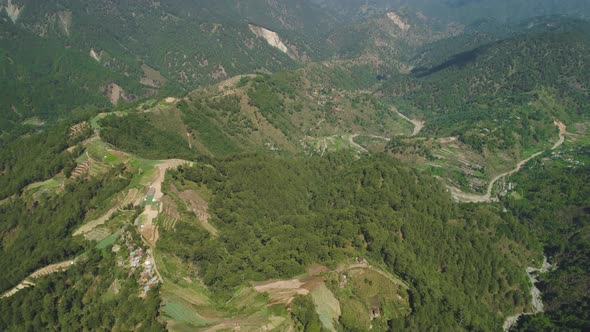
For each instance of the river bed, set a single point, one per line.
(537, 301)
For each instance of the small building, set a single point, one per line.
(343, 281)
(375, 312)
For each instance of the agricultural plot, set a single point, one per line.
(98, 234)
(180, 313)
(327, 306)
(109, 241)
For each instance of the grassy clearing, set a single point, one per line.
(98, 234)
(366, 288)
(49, 184)
(377, 290)
(99, 151)
(82, 158)
(34, 121)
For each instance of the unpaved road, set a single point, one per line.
(131, 197)
(354, 144)
(53, 268)
(149, 231)
(162, 168)
(418, 125)
(464, 197)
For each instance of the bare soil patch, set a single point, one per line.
(284, 291)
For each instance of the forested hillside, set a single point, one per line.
(93, 295)
(276, 216)
(52, 82)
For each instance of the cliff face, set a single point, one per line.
(13, 10)
(273, 39)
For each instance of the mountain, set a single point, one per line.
(463, 11)
(309, 165)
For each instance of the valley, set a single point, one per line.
(460, 196)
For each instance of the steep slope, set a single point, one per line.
(389, 39)
(462, 11)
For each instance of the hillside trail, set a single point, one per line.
(464, 197)
(49, 269)
(355, 144)
(130, 197)
(418, 125)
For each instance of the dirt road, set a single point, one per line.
(149, 231)
(418, 125)
(354, 144)
(130, 197)
(53, 268)
(464, 197)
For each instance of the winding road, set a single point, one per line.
(53, 268)
(418, 125)
(461, 196)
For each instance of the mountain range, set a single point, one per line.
(304, 165)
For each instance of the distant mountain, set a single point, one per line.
(101, 52)
(464, 11)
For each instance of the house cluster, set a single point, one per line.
(140, 259)
(573, 163)
(375, 312)
(361, 260)
(343, 280)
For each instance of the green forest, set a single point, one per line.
(278, 215)
(37, 231)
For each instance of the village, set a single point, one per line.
(139, 260)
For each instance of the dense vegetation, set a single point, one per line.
(35, 157)
(304, 315)
(51, 82)
(553, 204)
(83, 298)
(37, 231)
(135, 133)
(275, 216)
